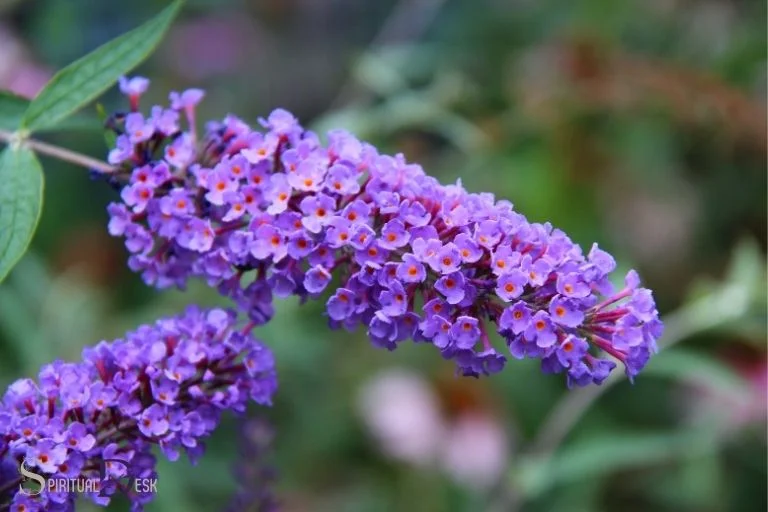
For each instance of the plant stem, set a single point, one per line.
(60, 153)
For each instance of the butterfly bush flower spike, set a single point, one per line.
(272, 211)
(163, 385)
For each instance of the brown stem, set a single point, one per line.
(59, 153)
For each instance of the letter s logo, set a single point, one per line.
(32, 476)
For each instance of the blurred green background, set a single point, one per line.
(638, 124)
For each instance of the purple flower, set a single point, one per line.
(410, 270)
(394, 300)
(256, 213)
(133, 87)
(382, 331)
(515, 319)
(281, 122)
(520, 348)
(487, 233)
(260, 148)
(541, 330)
(571, 285)
(641, 305)
(220, 183)
(465, 332)
(137, 128)
(137, 196)
(78, 438)
(165, 391)
(187, 99)
(504, 260)
(278, 194)
(469, 250)
(317, 278)
(571, 351)
(99, 411)
(47, 455)
(510, 285)
(341, 180)
(452, 287)
(341, 304)
(318, 211)
(362, 236)
(437, 329)
(122, 152)
(197, 235)
(538, 271)
(164, 120)
(448, 258)
(357, 212)
(339, 232)
(308, 177)
(565, 312)
(268, 242)
(119, 219)
(426, 250)
(153, 422)
(394, 235)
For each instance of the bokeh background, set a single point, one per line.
(638, 124)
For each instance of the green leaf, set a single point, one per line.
(594, 458)
(12, 110)
(83, 80)
(700, 369)
(21, 201)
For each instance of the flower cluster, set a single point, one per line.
(277, 213)
(97, 420)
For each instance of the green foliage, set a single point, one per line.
(597, 457)
(21, 202)
(535, 105)
(12, 110)
(21, 195)
(83, 80)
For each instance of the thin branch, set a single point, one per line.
(59, 153)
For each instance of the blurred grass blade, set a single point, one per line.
(83, 80)
(12, 110)
(595, 458)
(21, 201)
(699, 369)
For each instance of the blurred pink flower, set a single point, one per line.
(733, 409)
(475, 450)
(403, 413)
(19, 73)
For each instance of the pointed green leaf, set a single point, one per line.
(83, 80)
(12, 110)
(21, 201)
